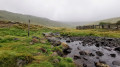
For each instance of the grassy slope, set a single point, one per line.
(111, 20)
(5, 15)
(11, 49)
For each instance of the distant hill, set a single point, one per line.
(111, 20)
(9, 16)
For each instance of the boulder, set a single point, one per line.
(64, 45)
(85, 58)
(67, 50)
(101, 65)
(68, 40)
(99, 53)
(113, 55)
(117, 49)
(91, 54)
(85, 65)
(83, 53)
(77, 57)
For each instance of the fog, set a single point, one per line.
(65, 10)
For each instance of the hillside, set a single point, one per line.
(111, 20)
(5, 15)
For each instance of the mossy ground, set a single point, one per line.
(15, 44)
(11, 49)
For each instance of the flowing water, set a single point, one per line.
(77, 46)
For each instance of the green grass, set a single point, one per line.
(11, 50)
(91, 32)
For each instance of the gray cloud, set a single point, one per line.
(65, 10)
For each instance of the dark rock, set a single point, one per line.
(77, 57)
(91, 54)
(116, 63)
(110, 39)
(68, 41)
(85, 58)
(109, 49)
(113, 55)
(102, 43)
(84, 65)
(97, 45)
(97, 57)
(99, 53)
(117, 49)
(67, 50)
(82, 53)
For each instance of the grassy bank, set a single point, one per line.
(15, 48)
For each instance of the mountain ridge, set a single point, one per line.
(10, 16)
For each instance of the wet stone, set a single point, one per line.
(77, 57)
(113, 55)
(68, 41)
(99, 53)
(84, 65)
(82, 53)
(91, 54)
(117, 49)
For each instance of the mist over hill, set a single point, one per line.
(9, 16)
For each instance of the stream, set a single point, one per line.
(87, 55)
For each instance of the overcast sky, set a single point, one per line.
(65, 10)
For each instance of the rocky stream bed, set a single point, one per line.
(90, 51)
